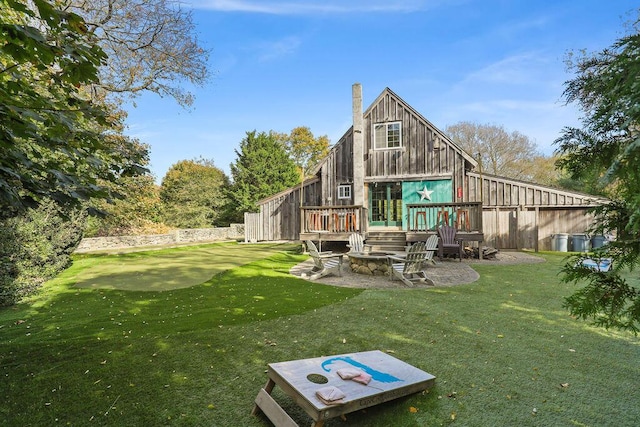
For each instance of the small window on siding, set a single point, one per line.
(387, 135)
(344, 191)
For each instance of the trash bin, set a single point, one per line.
(598, 241)
(580, 242)
(560, 242)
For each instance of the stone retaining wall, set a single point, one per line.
(193, 235)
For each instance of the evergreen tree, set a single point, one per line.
(262, 169)
(608, 147)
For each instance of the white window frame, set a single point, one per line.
(344, 191)
(390, 137)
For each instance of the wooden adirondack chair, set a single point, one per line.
(430, 248)
(356, 243)
(410, 269)
(448, 242)
(323, 263)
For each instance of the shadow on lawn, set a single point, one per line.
(166, 270)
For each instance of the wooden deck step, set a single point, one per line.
(386, 241)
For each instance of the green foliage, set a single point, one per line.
(608, 147)
(138, 210)
(305, 149)
(262, 169)
(193, 193)
(50, 132)
(34, 247)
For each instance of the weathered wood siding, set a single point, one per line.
(504, 192)
(336, 169)
(512, 228)
(425, 153)
(522, 215)
(280, 214)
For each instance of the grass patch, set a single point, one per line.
(499, 348)
(166, 269)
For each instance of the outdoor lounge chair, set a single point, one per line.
(410, 268)
(356, 243)
(448, 242)
(323, 263)
(598, 264)
(430, 247)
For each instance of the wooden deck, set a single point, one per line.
(337, 223)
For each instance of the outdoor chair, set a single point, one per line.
(410, 268)
(430, 247)
(597, 264)
(356, 243)
(448, 243)
(323, 263)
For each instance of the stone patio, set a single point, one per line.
(448, 272)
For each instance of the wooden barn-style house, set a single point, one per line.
(394, 177)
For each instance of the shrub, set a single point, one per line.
(34, 247)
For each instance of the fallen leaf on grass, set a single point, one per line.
(413, 409)
(564, 385)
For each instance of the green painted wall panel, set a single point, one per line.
(441, 192)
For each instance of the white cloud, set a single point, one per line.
(314, 6)
(517, 69)
(273, 50)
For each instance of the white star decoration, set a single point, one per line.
(425, 194)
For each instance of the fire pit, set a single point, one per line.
(369, 263)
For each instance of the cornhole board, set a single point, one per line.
(391, 378)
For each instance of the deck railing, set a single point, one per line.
(464, 216)
(419, 217)
(333, 219)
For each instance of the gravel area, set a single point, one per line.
(448, 272)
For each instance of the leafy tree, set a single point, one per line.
(151, 46)
(501, 153)
(50, 132)
(138, 211)
(305, 149)
(193, 193)
(262, 168)
(607, 146)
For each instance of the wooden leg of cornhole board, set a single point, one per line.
(265, 403)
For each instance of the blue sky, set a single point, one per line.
(282, 64)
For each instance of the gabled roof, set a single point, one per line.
(388, 91)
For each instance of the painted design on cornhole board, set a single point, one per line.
(375, 374)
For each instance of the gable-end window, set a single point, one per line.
(387, 135)
(344, 191)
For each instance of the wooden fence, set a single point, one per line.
(252, 228)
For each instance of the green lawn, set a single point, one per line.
(499, 347)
